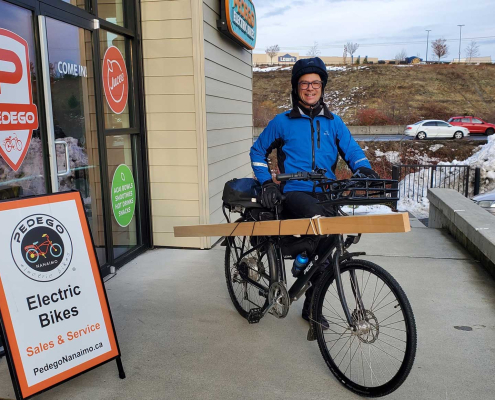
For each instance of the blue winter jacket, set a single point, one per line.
(304, 145)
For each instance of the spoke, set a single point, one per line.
(376, 347)
(378, 309)
(393, 337)
(396, 348)
(336, 343)
(391, 315)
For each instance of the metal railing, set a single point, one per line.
(415, 180)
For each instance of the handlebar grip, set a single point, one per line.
(284, 177)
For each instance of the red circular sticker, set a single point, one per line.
(115, 81)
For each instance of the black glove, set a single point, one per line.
(363, 172)
(270, 194)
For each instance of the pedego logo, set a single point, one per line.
(41, 247)
(115, 81)
(18, 114)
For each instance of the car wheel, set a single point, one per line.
(458, 135)
(421, 136)
(490, 131)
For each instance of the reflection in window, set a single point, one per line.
(78, 3)
(111, 11)
(476, 121)
(119, 151)
(29, 179)
(112, 120)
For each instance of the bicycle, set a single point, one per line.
(12, 143)
(33, 251)
(370, 341)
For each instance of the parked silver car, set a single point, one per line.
(435, 129)
(486, 201)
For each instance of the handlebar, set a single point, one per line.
(301, 176)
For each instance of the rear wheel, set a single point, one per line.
(490, 131)
(458, 135)
(248, 277)
(421, 135)
(377, 358)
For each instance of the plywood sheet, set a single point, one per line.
(386, 223)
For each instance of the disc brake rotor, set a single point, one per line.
(368, 328)
(278, 296)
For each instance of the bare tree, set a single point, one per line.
(272, 51)
(401, 56)
(351, 48)
(472, 51)
(440, 48)
(344, 55)
(314, 51)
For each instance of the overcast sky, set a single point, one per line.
(393, 24)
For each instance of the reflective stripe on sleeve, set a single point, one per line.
(259, 164)
(358, 161)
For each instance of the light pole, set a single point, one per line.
(427, 36)
(460, 39)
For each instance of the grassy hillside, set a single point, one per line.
(388, 94)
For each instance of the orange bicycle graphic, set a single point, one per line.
(12, 142)
(33, 251)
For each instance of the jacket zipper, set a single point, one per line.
(318, 132)
(312, 142)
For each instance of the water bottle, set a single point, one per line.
(299, 264)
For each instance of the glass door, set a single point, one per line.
(67, 57)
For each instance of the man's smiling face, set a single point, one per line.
(309, 95)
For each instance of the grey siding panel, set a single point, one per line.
(226, 121)
(220, 105)
(214, 5)
(219, 153)
(224, 136)
(217, 38)
(214, 53)
(221, 89)
(229, 109)
(222, 74)
(223, 167)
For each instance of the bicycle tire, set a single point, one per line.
(401, 356)
(59, 251)
(243, 294)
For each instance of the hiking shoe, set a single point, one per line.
(324, 323)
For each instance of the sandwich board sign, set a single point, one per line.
(55, 318)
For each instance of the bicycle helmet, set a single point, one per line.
(309, 66)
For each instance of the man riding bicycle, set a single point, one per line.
(307, 138)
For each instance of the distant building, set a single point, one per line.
(473, 60)
(292, 57)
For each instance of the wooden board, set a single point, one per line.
(383, 223)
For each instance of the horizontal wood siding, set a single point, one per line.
(171, 118)
(229, 108)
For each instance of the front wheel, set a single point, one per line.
(490, 131)
(377, 358)
(56, 250)
(248, 275)
(458, 135)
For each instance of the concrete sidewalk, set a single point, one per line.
(181, 337)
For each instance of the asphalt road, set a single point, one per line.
(388, 138)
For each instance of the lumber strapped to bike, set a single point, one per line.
(376, 223)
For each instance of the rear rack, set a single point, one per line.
(358, 191)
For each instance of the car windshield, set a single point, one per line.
(450, 119)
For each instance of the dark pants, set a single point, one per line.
(305, 205)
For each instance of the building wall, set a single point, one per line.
(198, 87)
(171, 118)
(229, 111)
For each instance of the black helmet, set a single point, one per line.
(309, 66)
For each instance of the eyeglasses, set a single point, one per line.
(305, 85)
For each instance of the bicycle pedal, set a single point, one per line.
(254, 315)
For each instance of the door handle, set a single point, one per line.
(67, 160)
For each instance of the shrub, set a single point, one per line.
(263, 113)
(434, 110)
(371, 116)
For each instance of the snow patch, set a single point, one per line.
(436, 147)
(360, 210)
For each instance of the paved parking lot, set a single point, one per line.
(181, 337)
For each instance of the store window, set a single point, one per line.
(78, 3)
(111, 11)
(29, 178)
(116, 80)
(124, 201)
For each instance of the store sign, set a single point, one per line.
(52, 300)
(18, 114)
(239, 20)
(123, 195)
(287, 58)
(66, 68)
(115, 80)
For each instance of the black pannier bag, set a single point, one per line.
(241, 192)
